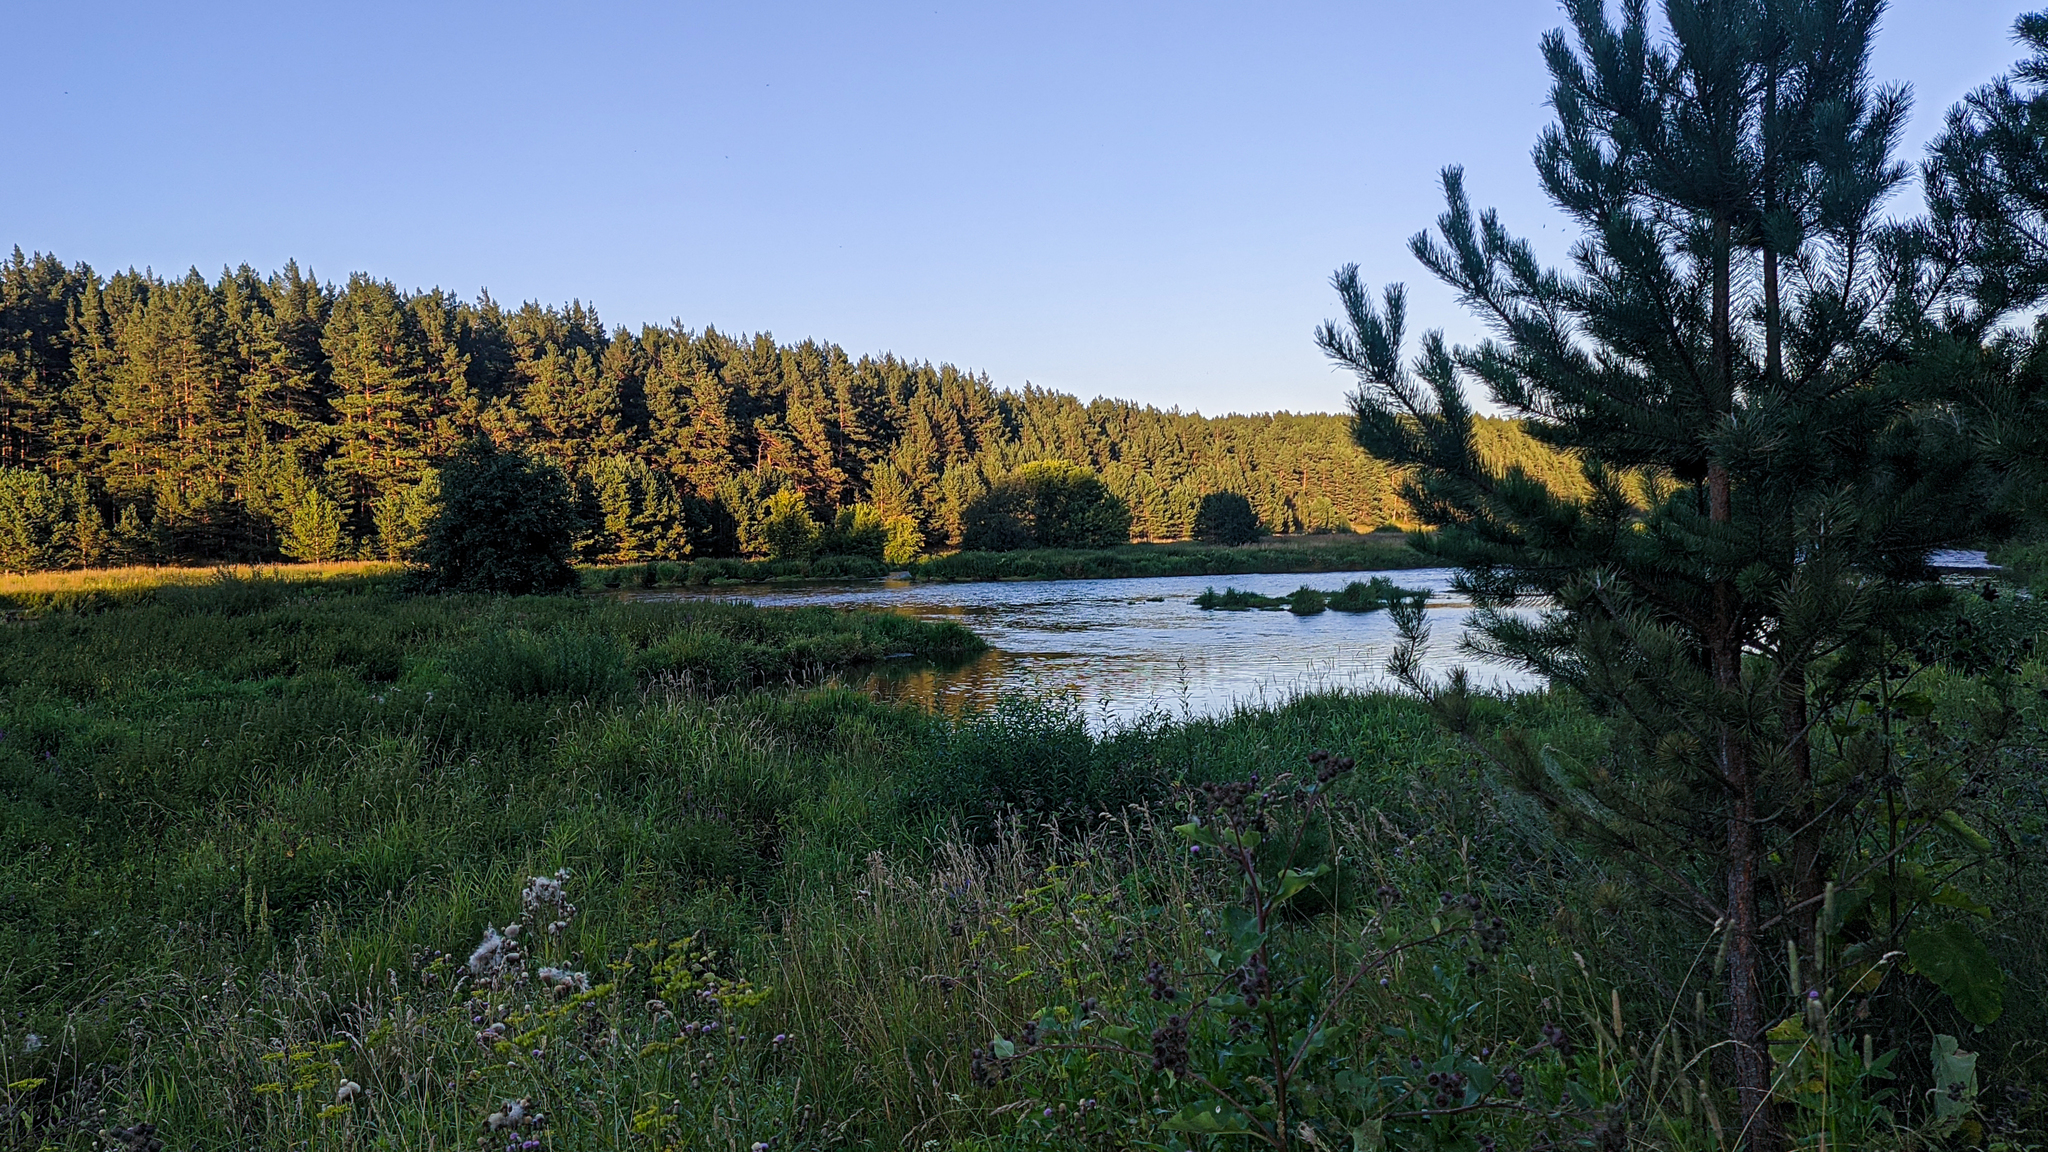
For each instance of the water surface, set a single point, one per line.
(1126, 649)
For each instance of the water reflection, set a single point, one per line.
(1125, 649)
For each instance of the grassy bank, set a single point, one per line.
(89, 589)
(256, 837)
(1379, 551)
(1337, 553)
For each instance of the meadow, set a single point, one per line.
(317, 864)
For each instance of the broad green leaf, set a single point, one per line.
(1914, 704)
(1118, 1034)
(1243, 927)
(1959, 964)
(1003, 1048)
(1961, 830)
(1293, 881)
(1953, 897)
(1367, 1137)
(1955, 1079)
(1211, 1119)
(1199, 833)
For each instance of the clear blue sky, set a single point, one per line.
(1123, 199)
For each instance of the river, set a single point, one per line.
(1124, 650)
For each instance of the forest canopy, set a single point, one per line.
(153, 419)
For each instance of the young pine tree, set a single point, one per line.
(1728, 359)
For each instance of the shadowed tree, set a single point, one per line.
(1227, 518)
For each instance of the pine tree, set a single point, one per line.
(33, 522)
(1800, 476)
(404, 515)
(1987, 192)
(312, 532)
(36, 297)
(381, 400)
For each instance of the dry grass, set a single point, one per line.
(143, 576)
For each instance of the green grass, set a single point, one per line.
(251, 830)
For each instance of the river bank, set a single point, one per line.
(1379, 551)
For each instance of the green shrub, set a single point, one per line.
(506, 525)
(856, 531)
(1359, 596)
(787, 528)
(1046, 504)
(1227, 518)
(1233, 600)
(1306, 601)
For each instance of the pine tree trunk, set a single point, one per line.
(1745, 1002)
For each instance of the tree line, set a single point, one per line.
(184, 419)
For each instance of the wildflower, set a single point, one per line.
(563, 982)
(512, 1115)
(32, 1045)
(347, 1091)
(489, 956)
(547, 892)
(760, 1146)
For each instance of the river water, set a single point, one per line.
(1124, 650)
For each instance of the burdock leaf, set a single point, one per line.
(1959, 964)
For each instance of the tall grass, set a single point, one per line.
(250, 833)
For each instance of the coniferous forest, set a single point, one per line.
(146, 419)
